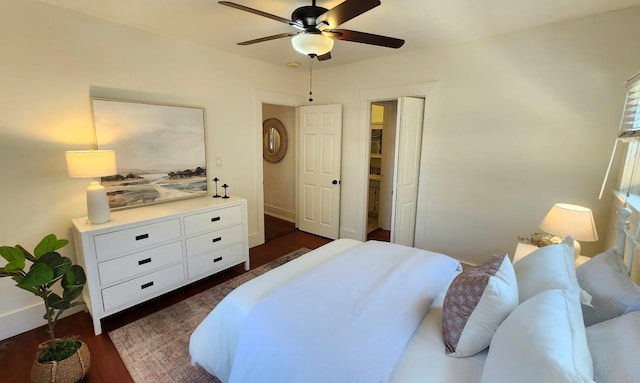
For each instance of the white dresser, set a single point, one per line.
(144, 252)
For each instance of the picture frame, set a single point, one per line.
(160, 150)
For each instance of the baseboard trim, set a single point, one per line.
(254, 240)
(26, 319)
(348, 233)
(284, 214)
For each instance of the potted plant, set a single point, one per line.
(59, 359)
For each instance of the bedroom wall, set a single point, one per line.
(522, 121)
(52, 61)
(279, 177)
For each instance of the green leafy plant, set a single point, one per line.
(47, 268)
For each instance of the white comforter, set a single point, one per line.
(214, 342)
(347, 320)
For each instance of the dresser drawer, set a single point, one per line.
(123, 268)
(208, 242)
(214, 262)
(212, 220)
(118, 243)
(140, 287)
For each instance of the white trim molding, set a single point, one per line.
(429, 91)
(260, 97)
(26, 319)
(278, 212)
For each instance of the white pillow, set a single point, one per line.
(614, 349)
(613, 292)
(477, 301)
(542, 341)
(549, 267)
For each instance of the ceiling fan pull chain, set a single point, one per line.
(310, 78)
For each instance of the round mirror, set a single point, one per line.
(274, 140)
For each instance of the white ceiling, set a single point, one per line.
(422, 23)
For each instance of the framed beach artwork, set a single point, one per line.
(160, 151)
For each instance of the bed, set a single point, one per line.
(375, 312)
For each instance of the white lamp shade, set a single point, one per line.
(91, 163)
(570, 220)
(312, 43)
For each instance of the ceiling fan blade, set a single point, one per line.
(331, 33)
(345, 11)
(266, 38)
(366, 38)
(260, 13)
(325, 56)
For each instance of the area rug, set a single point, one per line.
(156, 347)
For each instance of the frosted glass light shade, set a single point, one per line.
(91, 163)
(312, 43)
(565, 219)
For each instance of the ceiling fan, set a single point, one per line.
(317, 27)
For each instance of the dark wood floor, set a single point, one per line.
(17, 353)
(276, 227)
(380, 235)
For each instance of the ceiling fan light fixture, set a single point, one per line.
(312, 43)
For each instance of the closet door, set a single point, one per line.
(407, 169)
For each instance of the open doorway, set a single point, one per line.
(381, 170)
(418, 156)
(279, 173)
(393, 178)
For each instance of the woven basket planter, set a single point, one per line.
(70, 370)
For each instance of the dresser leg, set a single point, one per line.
(97, 326)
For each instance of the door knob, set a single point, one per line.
(335, 182)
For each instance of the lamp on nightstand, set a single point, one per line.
(93, 164)
(570, 220)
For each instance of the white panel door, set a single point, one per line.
(320, 151)
(407, 169)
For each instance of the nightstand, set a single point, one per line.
(524, 249)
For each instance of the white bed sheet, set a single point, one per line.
(213, 343)
(424, 360)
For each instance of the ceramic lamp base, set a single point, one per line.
(97, 204)
(577, 249)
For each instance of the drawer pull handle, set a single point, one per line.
(216, 239)
(143, 261)
(142, 236)
(214, 219)
(149, 284)
(217, 259)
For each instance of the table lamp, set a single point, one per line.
(570, 220)
(93, 164)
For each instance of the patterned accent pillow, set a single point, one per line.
(477, 301)
(613, 292)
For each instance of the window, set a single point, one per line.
(630, 177)
(629, 135)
